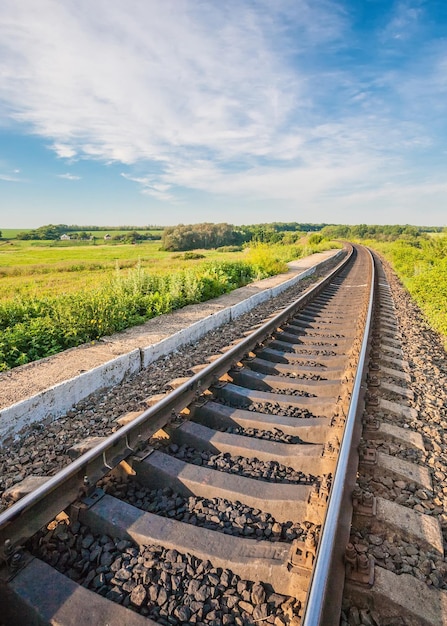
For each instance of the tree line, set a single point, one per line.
(184, 237)
(55, 231)
(207, 235)
(381, 233)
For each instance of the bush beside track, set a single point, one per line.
(421, 265)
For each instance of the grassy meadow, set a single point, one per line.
(11, 233)
(63, 294)
(65, 267)
(421, 264)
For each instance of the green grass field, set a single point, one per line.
(422, 267)
(33, 270)
(55, 268)
(60, 296)
(11, 233)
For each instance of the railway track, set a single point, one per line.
(395, 560)
(229, 500)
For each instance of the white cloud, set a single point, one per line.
(69, 176)
(151, 187)
(108, 82)
(103, 81)
(63, 151)
(224, 98)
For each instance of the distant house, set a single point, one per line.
(65, 237)
(107, 236)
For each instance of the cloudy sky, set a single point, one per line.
(245, 111)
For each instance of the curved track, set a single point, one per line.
(212, 505)
(396, 572)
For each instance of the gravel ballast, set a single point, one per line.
(170, 587)
(231, 518)
(425, 354)
(272, 471)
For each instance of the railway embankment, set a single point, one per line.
(47, 389)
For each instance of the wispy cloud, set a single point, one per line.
(235, 98)
(421, 203)
(8, 174)
(151, 186)
(69, 176)
(404, 22)
(9, 178)
(119, 85)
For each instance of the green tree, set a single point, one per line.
(133, 237)
(25, 235)
(192, 236)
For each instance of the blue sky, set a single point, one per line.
(147, 112)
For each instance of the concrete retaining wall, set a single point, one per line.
(182, 337)
(56, 401)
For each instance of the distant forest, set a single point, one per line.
(381, 233)
(55, 231)
(193, 236)
(181, 237)
(209, 235)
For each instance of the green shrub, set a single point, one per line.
(315, 238)
(32, 328)
(192, 255)
(266, 259)
(422, 267)
(229, 249)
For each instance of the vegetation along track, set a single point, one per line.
(228, 501)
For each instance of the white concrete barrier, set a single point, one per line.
(292, 281)
(182, 337)
(57, 400)
(247, 305)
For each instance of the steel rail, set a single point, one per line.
(37, 508)
(316, 609)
